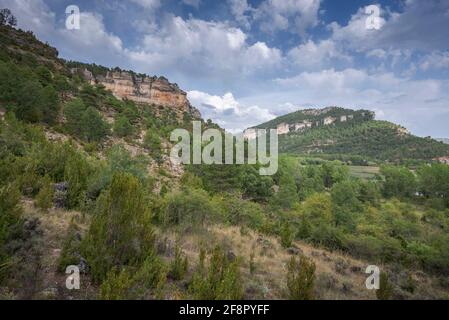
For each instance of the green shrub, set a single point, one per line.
(187, 207)
(85, 122)
(220, 281)
(239, 211)
(385, 288)
(94, 127)
(287, 236)
(399, 182)
(122, 127)
(10, 223)
(120, 233)
(152, 142)
(301, 279)
(70, 253)
(153, 273)
(117, 286)
(44, 199)
(76, 173)
(179, 265)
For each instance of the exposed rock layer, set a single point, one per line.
(145, 90)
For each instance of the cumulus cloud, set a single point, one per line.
(228, 112)
(241, 11)
(91, 41)
(312, 55)
(198, 47)
(296, 16)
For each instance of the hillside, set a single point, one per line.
(338, 131)
(86, 182)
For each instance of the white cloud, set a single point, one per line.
(228, 112)
(148, 4)
(435, 61)
(92, 40)
(198, 47)
(296, 16)
(241, 11)
(311, 55)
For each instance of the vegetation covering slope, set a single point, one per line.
(84, 181)
(360, 138)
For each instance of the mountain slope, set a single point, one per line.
(351, 133)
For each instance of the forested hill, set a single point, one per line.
(317, 117)
(346, 133)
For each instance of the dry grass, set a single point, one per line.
(269, 279)
(338, 276)
(50, 284)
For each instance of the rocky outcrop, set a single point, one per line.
(301, 126)
(144, 90)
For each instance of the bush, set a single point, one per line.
(287, 236)
(318, 209)
(187, 207)
(10, 223)
(179, 265)
(152, 142)
(76, 173)
(152, 274)
(95, 128)
(85, 122)
(44, 199)
(301, 279)
(120, 233)
(117, 286)
(70, 253)
(258, 187)
(221, 281)
(122, 127)
(385, 288)
(434, 182)
(399, 182)
(241, 212)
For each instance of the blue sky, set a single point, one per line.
(243, 62)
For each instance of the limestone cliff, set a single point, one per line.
(144, 90)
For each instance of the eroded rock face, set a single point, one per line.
(146, 90)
